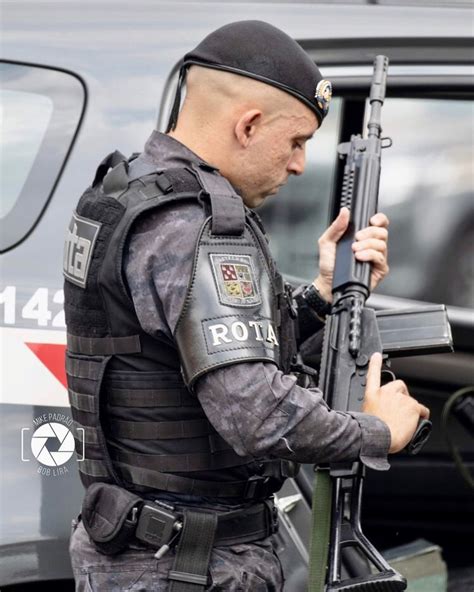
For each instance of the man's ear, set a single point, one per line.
(246, 126)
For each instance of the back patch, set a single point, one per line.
(78, 248)
(235, 279)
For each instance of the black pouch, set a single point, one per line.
(107, 513)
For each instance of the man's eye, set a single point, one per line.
(297, 145)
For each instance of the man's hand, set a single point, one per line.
(370, 245)
(393, 404)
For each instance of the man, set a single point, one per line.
(181, 333)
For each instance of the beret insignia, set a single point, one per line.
(323, 95)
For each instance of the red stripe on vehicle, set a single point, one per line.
(52, 356)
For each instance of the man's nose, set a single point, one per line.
(297, 162)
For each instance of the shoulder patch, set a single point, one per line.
(78, 248)
(234, 276)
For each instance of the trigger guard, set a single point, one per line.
(387, 373)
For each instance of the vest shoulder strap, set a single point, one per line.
(228, 213)
(110, 161)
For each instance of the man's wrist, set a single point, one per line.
(316, 302)
(375, 440)
(324, 290)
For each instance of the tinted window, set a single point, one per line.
(25, 120)
(41, 109)
(426, 190)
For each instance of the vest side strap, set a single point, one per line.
(180, 463)
(150, 398)
(184, 485)
(104, 346)
(83, 402)
(93, 468)
(82, 368)
(85, 434)
(162, 430)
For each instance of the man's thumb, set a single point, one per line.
(334, 232)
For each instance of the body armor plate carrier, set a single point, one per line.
(142, 428)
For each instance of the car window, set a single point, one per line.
(40, 112)
(426, 189)
(298, 214)
(25, 119)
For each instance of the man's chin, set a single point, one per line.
(255, 201)
(271, 193)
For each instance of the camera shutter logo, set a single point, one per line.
(47, 433)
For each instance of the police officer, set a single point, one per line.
(182, 335)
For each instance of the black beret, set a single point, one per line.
(263, 52)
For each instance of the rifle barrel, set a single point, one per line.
(377, 95)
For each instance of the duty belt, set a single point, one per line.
(115, 518)
(159, 526)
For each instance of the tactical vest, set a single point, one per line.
(137, 422)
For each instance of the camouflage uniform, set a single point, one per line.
(255, 407)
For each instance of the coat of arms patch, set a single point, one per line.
(235, 279)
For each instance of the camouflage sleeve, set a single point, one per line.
(255, 407)
(262, 412)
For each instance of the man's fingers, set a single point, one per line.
(372, 232)
(399, 386)
(419, 408)
(424, 412)
(380, 219)
(374, 373)
(370, 243)
(334, 232)
(376, 257)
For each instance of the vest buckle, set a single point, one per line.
(255, 487)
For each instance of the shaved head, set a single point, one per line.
(220, 91)
(235, 123)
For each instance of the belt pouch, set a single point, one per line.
(106, 511)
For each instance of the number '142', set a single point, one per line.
(37, 307)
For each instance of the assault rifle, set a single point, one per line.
(353, 333)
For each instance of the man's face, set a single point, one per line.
(276, 152)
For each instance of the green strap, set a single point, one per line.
(321, 522)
